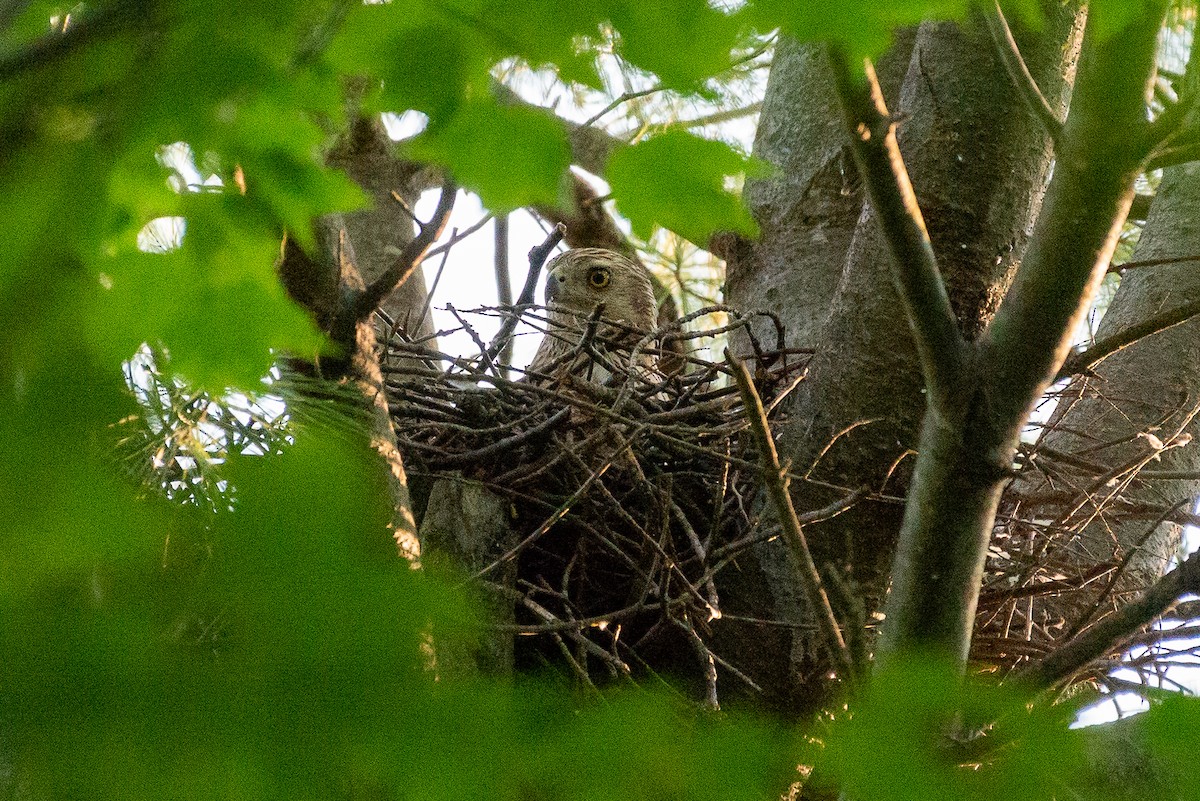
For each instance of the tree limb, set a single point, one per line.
(1111, 632)
(410, 257)
(1080, 222)
(940, 345)
(1101, 349)
(1022, 80)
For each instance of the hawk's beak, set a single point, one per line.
(553, 283)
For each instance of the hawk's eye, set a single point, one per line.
(599, 278)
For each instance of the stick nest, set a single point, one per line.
(627, 497)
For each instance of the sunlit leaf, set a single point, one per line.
(678, 181)
(214, 305)
(682, 41)
(510, 156)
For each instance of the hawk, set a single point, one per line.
(577, 282)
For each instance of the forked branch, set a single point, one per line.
(410, 257)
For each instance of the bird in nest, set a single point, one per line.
(600, 305)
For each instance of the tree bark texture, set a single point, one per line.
(466, 528)
(979, 164)
(381, 231)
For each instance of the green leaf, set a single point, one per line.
(683, 41)
(950, 738)
(1107, 18)
(215, 304)
(863, 28)
(544, 32)
(426, 61)
(1171, 728)
(678, 181)
(511, 156)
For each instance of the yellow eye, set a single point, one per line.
(599, 278)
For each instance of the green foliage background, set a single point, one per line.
(275, 646)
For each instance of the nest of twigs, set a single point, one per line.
(628, 497)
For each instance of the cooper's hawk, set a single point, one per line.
(577, 282)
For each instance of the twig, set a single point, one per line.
(777, 487)
(437, 279)
(537, 258)
(410, 257)
(940, 345)
(707, 661)
(559, 514)
(1101, 349)
(1132, 265)
(459, 236)
(1109, 633)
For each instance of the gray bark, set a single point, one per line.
(466, 527)
(809, 206)
(979, 164)
(381, 231)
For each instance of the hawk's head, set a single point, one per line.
(582, 279)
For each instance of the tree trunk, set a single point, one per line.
(979, 165)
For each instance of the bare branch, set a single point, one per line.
(774, 475)
(940, 345)
(1022, 80)
(537, 258)
(1113, 631)
(1101, 349)
(409, 258)
(1133, 265)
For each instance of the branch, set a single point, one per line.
(1132, 265)
(409, 258)
(1175, 154)
(775, 477)
(537, 258)
(1111, 632)
(1080, 222)
(718, 117)
(940, 345)
(1101, 349)
(1022, 80)
(590, 146)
